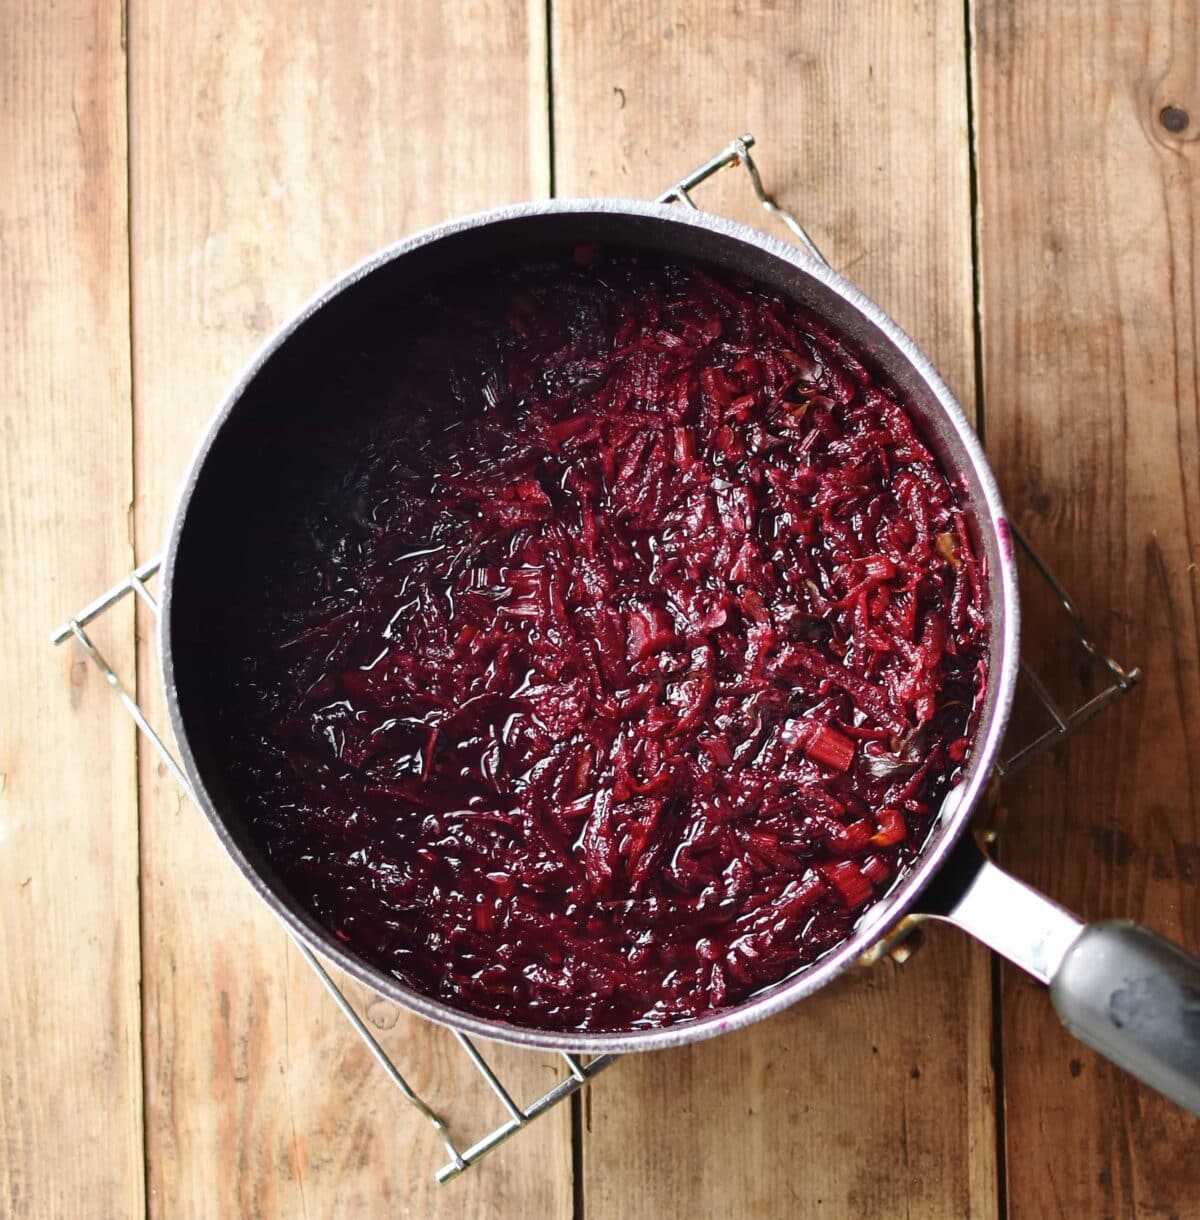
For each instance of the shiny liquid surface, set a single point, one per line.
(628, 660)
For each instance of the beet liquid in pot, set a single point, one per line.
(629, 658)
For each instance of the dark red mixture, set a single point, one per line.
(629, 664)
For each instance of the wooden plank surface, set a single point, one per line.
(1089, 205)
(875, 1097)
(272, 148)
(70, 1059)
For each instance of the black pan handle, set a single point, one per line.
(1120, 988)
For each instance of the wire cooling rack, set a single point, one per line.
(578, 1071)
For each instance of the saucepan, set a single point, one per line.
(1117, 986)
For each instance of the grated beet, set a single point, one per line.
(627, 666)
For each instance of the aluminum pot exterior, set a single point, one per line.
(479, 240)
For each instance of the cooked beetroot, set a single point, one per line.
(628, 665)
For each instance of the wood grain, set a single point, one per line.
(1089, 208)
(874, 1098)
(272, 148)
(70, 1058)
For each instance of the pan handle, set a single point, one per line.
(1120, 988)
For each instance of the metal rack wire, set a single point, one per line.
(578, 1070)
